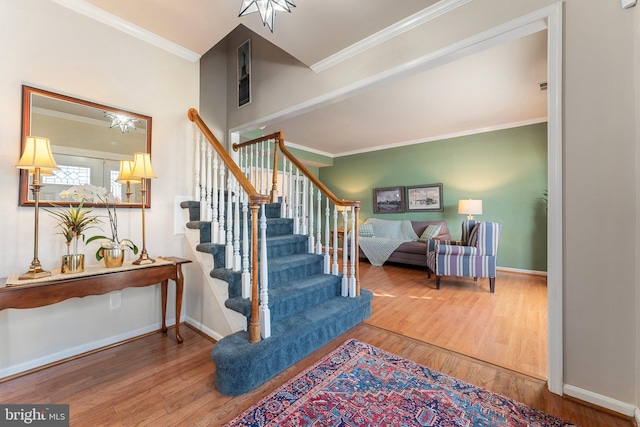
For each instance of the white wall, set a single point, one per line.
(48, 46)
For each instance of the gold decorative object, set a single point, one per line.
(72, 264)
(113, 257)
(124, 177)
(38, 160)
(142, 170)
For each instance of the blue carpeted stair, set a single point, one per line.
(307, 310)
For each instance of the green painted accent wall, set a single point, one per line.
(506, 169)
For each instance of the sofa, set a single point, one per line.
(414, 252)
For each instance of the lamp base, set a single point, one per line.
(144, 259)
(35, 272)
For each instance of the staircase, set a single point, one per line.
(306, 306)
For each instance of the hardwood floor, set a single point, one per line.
(155, 381)
(507, 328)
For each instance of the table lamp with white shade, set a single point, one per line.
(38, 160)
(142, 171)
(470, 208)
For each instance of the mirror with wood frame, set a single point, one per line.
(88, 141)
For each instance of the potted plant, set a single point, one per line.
(112, 249)
(73, 223)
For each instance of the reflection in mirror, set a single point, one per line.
(88, 142)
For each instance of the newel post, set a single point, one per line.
(254, 321)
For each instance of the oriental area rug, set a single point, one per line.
(361, 385)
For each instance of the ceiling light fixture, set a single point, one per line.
(266, 8)
(124, 122)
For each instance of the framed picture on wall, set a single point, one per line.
(388, 200)
(244, 73)
(425, 198)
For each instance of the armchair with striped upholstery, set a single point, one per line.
(474, 256)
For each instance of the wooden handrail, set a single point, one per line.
(246, 185)
(312, 178)
(278, 137)
(256, 199)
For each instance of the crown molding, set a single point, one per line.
(127, 27)
(446, 136)
(419, 18)
(309, 150)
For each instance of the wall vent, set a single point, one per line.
(543, 86)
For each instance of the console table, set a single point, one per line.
(48, 292)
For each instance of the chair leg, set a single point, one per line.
(437, 282)
(492, 284)
(428, 273)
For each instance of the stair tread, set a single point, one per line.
(292, 288)
(304, 322)
(284, 262)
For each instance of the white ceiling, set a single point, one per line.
(492, 89)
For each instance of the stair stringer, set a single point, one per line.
(230, 321)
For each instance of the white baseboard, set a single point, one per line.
(602, 401)
(84, 348)
(520, 270)
(202, 328)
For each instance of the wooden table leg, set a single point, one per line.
(164, 286)
(179, 289)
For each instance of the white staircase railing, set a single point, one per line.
(305, 200)
(233, 196)
(226, 196)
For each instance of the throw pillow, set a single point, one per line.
(365, 230)
(429, 233)
(473, 236)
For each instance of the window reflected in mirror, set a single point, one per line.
(88, 142)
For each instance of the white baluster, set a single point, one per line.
(274, 185)
(312, 243)
(246, 275)
(221, 173)
(283, 205)
(303, 216)
(214, 200)
(296, 204)
(203, 178)
(345, 278)
(196, 136)
(208, 185)
(327, 248)
(334, 267)
(228, 249)
(352, 275)
(237, 260)
(262, 180)
(265, 313)
(268, 177)
(291, 193)
(319, 232)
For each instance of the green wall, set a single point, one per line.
(506, 169)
